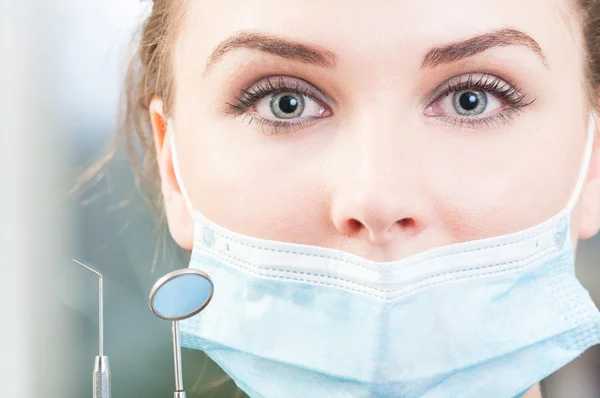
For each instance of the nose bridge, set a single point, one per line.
(377, 179)
(382, 154)
(381, 130)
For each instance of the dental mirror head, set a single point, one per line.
(181, 294)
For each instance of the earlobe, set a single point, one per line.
(181, 225)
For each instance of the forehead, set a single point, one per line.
(381, 26)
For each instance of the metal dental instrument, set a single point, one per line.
(179, 295)
(101, 375)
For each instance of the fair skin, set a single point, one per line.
(384, 166)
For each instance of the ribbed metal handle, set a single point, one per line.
(101, 378)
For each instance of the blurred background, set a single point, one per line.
(62, 68)
(63, 65)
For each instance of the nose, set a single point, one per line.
(378, 195)
(375, 219)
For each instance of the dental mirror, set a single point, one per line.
(176, 296)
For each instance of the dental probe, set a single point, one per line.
(101, 375)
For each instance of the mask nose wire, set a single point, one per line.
(587, 157)
(176, 168)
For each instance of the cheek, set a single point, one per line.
(488, 186)
(258, 185)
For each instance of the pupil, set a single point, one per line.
(288, 104)
(469, 101)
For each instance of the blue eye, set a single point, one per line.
(287, 105)
(470, 102)
(281, 103)
(476, 100)
(466, 103)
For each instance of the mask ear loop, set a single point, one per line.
(587, 157)
(176, 169)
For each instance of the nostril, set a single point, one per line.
(407, 223)
(354, 225)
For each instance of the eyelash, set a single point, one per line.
(507, 92)
(249, 97)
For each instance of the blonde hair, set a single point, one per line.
(149, 75)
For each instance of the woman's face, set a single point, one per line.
(381, 128)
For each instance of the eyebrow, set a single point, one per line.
(314, 55)
(463, 49)
(297, 51)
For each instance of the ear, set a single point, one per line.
(181, 225)
(590, 198)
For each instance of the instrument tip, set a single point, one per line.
(98, 274)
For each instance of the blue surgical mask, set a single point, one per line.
(485, 318)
